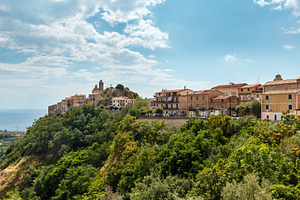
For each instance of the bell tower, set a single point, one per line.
(101, 85)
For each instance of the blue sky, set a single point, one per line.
(52, 49)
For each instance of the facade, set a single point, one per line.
(280, 95)
(169, 100)
(95, 98)
(121, 101)
(250, 92)
(78, 100)
(198, 102)
(67, 103)
(52, 109)
(230, 89)
(224, 104)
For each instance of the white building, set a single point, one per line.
(121, 101)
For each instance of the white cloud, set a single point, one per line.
(230, 58)
(292, 30)
(248, 60)
(294, 5)
(56, 35)
(288, 47)
(261, 2)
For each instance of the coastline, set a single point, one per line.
(19, 119)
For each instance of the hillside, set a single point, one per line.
(7, 138)
(89, 153)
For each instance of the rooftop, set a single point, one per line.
(283, 92)
(122, 99)
(231, 85)
(250, 86)
(167, 91)
(223, 97)
(281, 82)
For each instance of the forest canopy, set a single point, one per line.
(90, 153)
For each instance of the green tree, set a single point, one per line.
(248, 189)
(120, 87)
(159, 110)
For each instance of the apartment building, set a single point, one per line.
(121, 101)
(52, 110)
(62, 107)
(169, 100)
(230, 89)
(198, 102)
(250, 92)
(280, 95)
(224, 104)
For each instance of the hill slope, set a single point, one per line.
(89, 153)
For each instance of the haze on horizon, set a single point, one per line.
(52, 49)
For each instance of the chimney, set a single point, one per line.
(184, 87)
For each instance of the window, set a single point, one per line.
(290, 107)
(290, 97)
(191, 98)
(267, 97)
(242, 90)
(267, 107)
(248, 89)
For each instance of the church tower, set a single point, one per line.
(101, 85)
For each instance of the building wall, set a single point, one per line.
(278, 103)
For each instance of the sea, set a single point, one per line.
(19, 120)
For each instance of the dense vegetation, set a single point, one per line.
(89, 153)
(7, 138)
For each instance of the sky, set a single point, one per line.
(53, 49)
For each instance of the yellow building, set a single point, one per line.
(280, 95)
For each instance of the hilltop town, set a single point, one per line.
(118, 97)
(275, 97)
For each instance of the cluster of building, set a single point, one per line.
(275, 96)
(97, 97)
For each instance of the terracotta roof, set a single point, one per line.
(223, 97)
(203, 92)
(238, 85)
(250, 86)
(282, 92)
(167, 91)
(280, 82)
(122, 99)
